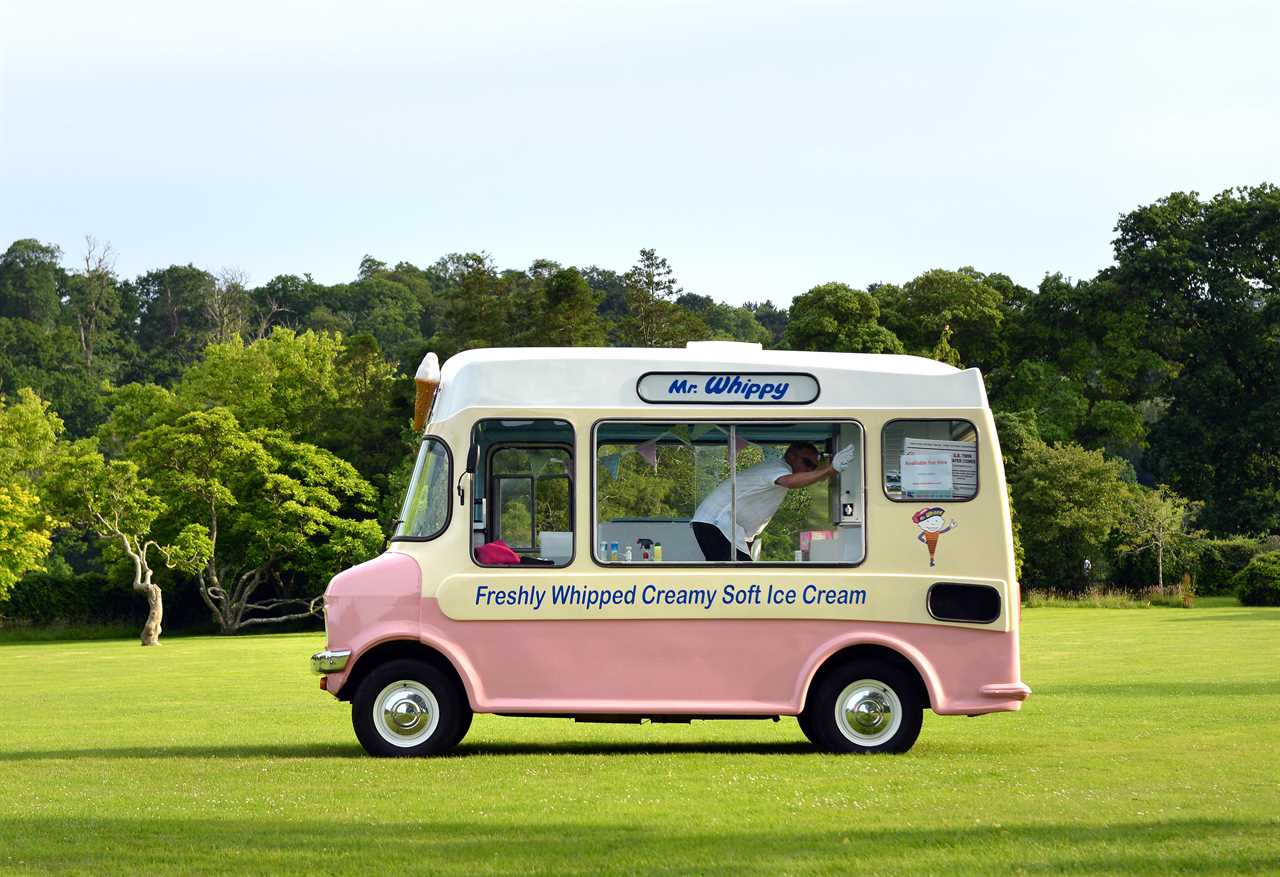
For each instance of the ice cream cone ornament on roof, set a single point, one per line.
(932, 523)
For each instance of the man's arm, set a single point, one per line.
(796, 480)
(833, 467)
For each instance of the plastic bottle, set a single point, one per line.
(657, 552)
(613, 552)
(627, 557)
(604, 551)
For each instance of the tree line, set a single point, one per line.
(239, 443)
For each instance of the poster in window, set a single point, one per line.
(927, 476)
(963, 469)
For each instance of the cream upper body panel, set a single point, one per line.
(889, 584)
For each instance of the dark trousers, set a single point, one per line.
(713, 544)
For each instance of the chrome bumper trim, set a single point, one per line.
(330, 661)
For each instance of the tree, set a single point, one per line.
(173, 322)
(653, 318)
(569, 317)
(1156, 520)
(228, 307)
(29, 276)
(1068, 501)
(773, 318)
(944, 352)
(28, 433)
(92, 297)
(1208, 273)
(726, 322)
(835, 317)
(111, 499)
(259, 506)
(963, 300)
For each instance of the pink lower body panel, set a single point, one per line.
(706, 667)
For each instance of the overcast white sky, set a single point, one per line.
(761, 147)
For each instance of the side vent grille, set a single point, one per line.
(973, 604)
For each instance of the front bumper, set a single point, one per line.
(330, 661)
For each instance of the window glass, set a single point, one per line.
(426, 505)
(666, 493)
(522, 492)
(930, 459)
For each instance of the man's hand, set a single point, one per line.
(843, 458)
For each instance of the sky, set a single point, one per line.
(763, 148)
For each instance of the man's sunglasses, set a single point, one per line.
(809, 464)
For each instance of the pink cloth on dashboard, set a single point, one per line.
(497, 553)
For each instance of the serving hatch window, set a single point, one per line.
(683, 493)
(930, 459)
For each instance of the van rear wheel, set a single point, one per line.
(864, 707)
(409, 708)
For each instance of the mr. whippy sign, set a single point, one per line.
(728, 388)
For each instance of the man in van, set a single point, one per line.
(761, 489)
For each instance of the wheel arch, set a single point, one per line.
(873, 648)
(394, 649)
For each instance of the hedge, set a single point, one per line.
(1258, 584)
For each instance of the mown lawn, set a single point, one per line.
(1152, 744)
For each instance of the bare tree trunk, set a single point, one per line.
(1160, 564)
(155, 611)
(142, 582)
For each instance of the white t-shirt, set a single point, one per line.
(758, 498)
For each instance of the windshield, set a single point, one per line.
(426, 505)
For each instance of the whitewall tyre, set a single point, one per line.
(407, 708)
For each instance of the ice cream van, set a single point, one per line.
(715, 532)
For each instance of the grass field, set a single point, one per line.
(1152, 744)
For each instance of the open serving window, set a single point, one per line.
(672, 492)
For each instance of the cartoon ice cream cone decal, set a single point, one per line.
(931, 539)
(932, 524)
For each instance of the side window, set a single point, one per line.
(930, 459)
(699, 492)
(523, 493)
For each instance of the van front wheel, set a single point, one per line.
(864, 707)
(409, 708)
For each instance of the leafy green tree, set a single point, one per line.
(1208, 273)
(173, 323)
(1085, 354)
(773, 318)
(726, 322)
(476, 310)
(93, 299)
(963, 300)
(29, 431)
(29, 278)
(653, 317)
(263, 507)
(1068, 501)
(569, 317)
(838, 318)
(113, 500)
(944, 352)
(1058, 402)
(1159, 521)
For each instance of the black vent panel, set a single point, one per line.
(973, 604)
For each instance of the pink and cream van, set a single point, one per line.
(718, 532)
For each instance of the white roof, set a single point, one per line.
(605, 377)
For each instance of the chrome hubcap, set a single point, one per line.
(406, 713)
(868, 712)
